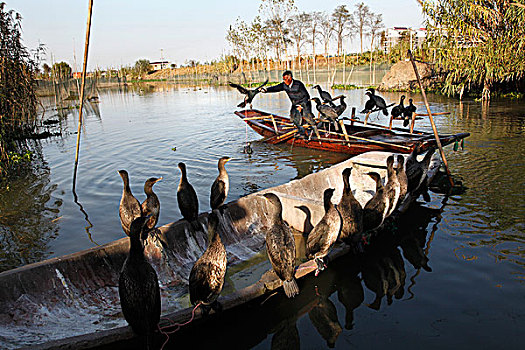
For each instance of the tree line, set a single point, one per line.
(281, 29)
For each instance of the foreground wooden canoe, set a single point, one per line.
(358, 139)
(71, 302)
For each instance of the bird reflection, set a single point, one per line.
(350, 293)
(287, 336)
(324, 319)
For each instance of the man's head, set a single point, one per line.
(287, 77)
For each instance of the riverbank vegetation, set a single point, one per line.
(18, 101)
(479, 44)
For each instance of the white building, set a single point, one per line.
(393, 35)
(158, 65)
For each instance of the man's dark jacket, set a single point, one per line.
(297, 92)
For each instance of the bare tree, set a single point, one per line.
(278, 12)
(342, 21)
(374, 24)
(362, 16)
(326, 31)
(316, 18)
(298, 25)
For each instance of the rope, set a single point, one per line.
(178, 325)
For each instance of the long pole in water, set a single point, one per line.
(90, 10)
(438, 142)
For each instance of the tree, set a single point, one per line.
(478, 43)
(46, 69)
(278, 12)
(326, 30)
(374, 24)
(362, 16)
(313, 31)
(61, 70)
(142, 67)
(342, 21)
(298, 26)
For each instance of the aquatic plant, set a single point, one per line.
(18, 101)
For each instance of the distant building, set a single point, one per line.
(158, 65)
(393, 35)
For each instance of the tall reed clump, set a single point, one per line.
(18, 101)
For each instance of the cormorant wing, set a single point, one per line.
(217, 195)
(241, 89)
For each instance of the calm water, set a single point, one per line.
(474, 295)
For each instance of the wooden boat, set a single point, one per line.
(72, 301)
(354, 139)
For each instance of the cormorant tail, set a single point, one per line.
(385, 111)
(291, 289)
(242, 104)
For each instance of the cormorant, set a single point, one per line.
(151, 205)
(280, 246)
(408, 112)
(392, 187)
(326, 111)
(221, 185)
(129, 208)
(138, 285)
(187, 198)
(374, 102)
(399, 109)
(341, 107)
(207, 274)
(249, 94)
(416, 170)
(351, 212)
(374, 211)
(402, 178)
(247, 148)
(325, 233)
(325, 96)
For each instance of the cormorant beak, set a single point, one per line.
(160, 178)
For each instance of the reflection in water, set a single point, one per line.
(29, 215)
(287, 336)
(86, 217)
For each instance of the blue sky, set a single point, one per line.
(123, 31)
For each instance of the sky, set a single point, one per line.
(123, 31)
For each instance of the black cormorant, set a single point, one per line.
(138, 285)
(399, 109)
(207, 274)
(327, 112)
(249, 94)
(402, 178)
(374, 211)
(187, 198)
(129, 208)
(392, 187)
(280, 246)
(221, 185)
(325, 96)
(408, 112)
(325, 233)
(341, 107)
(351, 212)
(378, 102)
(151, 205)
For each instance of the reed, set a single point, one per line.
(18, 101)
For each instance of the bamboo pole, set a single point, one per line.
(438, 141)
(88, 27)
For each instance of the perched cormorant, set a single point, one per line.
(392, 187)
(138, 285)
(219, 188)
(341, 107)
(327, 112)
(378, 102)
(325, 233)
(187, 198)
(416, 170)
(280, 246)
(207, 274)
(151, 205)
(129, 208)
(399, 109)
(325, 96)
(247, 148)
(408, 112)
(374, 211)
(402, 178)
(249, 94)
(351, 212)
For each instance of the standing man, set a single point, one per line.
(300, 98)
